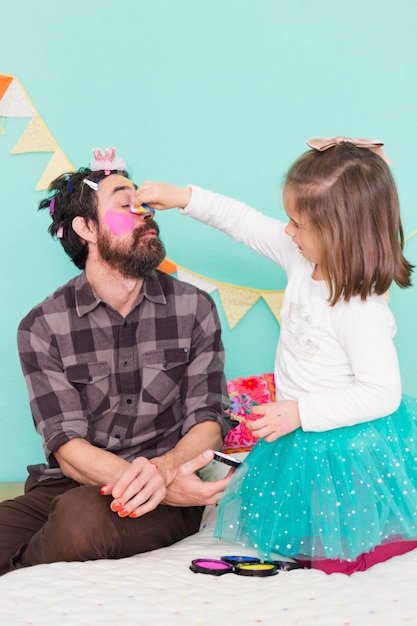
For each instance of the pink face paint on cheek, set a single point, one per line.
(119, 223)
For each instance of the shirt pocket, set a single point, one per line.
(92, 381)
(162, 374)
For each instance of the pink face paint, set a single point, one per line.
(119, 223)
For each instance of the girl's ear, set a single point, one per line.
(86, 230)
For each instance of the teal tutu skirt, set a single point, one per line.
(328, 495)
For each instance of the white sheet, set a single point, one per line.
(158, 588)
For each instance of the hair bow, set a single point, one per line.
(375, 145)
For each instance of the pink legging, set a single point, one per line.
(364, 561)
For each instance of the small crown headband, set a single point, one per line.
(106, 160)
(375, 145)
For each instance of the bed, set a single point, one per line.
(159, 587)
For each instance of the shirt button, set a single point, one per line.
(117, 436)
(185, 349)
(124, 324)
(90, 378)
(129, 401)
(125, 363)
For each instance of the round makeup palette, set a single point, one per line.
(215, 567)
(256, 569)
(234, 564)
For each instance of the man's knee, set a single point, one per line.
(80, 520)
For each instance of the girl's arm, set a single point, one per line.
(236, 219)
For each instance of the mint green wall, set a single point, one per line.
(222, 93)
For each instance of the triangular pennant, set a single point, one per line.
(274, 301)
(58, 164)
(196, 280)
(411, 235)
(15, 102)
(168, 266)
(236, 302)
(36, 138)
(4, 84)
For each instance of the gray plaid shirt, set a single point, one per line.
(133, 386)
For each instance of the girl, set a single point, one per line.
(332, 480)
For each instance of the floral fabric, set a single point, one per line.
(244, 393)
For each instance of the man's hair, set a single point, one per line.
(349, 196)
(72, 197)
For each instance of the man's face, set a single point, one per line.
(128, 243)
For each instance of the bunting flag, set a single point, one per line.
(411, 235)
(14, 102)
(236, 300)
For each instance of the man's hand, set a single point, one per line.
(187, 489)
(138, 490)
(141, 487)
(162, 196)
(275, 419)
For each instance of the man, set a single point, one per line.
(124, 368)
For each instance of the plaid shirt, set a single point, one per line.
(134, 385)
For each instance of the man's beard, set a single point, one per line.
(137, 258)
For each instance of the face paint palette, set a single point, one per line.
(241, 565)
(236, 560)
(256, 569)
(226, 458)
(215, 567)
(287, 566)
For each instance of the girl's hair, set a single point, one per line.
(71, 197)
(350, 198)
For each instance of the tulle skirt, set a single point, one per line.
(328, 495)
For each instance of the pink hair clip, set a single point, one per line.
(106, 160)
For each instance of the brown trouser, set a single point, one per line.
(59, 520)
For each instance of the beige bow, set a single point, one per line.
(375, 145)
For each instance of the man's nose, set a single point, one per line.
(143, 210)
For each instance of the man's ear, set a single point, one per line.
(85, 230)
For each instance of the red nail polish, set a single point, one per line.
(123, 512)
(103, 489)
(133, 515)
(115, 505)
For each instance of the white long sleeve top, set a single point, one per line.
(340, 361)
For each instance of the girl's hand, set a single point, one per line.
(162, 196)
(275, 419)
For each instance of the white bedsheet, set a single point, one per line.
(158, 588)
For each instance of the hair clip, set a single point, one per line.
(52, 206)
(70, 186)
(91, 184)
(60, 231)
(106, 160)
